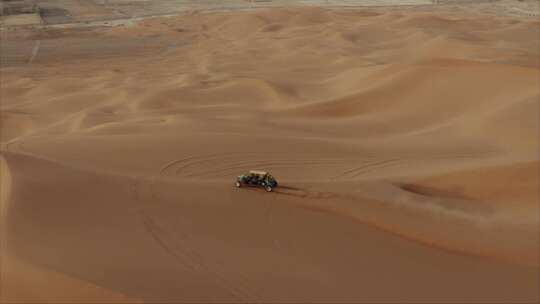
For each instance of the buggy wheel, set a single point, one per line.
(268, 189)
(238, 184)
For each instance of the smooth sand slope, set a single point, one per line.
(406, 143)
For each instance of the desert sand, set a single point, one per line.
(405, 141)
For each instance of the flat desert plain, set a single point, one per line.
(405, 141)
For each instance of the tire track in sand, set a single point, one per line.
(225, 164)
(35, 51)
(178, 165)
(369, 167)
(230, 163)
(246, 165)
(15, 146)
(180, 245)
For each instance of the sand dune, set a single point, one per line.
(406, 143)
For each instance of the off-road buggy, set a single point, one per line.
(256, 178)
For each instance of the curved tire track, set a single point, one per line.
(195, 167)
(393, 162)
(224, 164)
(179, 247)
